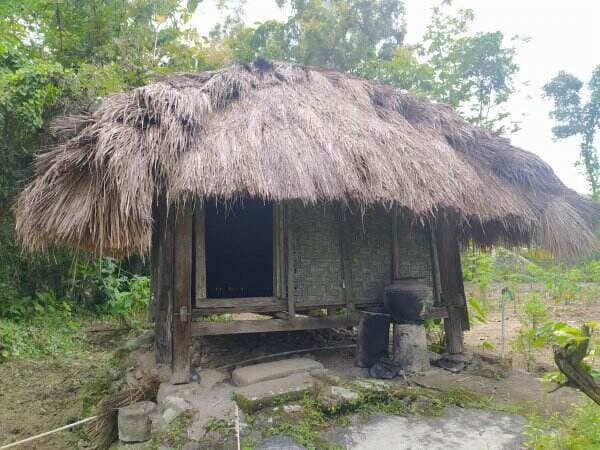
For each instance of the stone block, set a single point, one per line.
(336, 399)
(134, 422)
(279, 443)
(212, 377)
(257, 373)
(259, 395)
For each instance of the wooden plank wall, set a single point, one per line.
(451, 284)
(183, 291)
(163, 286)
(200, 253)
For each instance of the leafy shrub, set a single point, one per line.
(576, 430)
(128, 295)
(33, 327)
(534, 314)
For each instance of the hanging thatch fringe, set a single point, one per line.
(285, 131)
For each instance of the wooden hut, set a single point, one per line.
(289, 191)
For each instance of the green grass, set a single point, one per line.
(579, 429)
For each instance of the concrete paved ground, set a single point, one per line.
(456, 429)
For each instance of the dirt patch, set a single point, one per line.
(41, 395)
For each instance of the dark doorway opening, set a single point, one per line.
(239, 249)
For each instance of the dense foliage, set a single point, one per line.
(58, 55)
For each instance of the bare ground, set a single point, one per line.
(37, 396)
(40, 395)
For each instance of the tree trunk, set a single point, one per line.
(568, 359)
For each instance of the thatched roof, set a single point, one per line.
(282, 131)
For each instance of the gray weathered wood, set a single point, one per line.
(290, 261)
(346, 262)
(154, 262)
(395, 245)
(569, 360)
(453, 296)
(435, 265)
(182, 320)
(276, 285)
(238, 305)
(200, 246)
(269, 325)
(164, 286)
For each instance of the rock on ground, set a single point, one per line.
(259, 395)
(134, 422)
(456, 428)
(257, 373)
(279, 443)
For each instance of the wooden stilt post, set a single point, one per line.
(346, 261)
(290, 262)
(182, 314)
(163, 285)
(452, 288)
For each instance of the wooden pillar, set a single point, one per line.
(182, 289)
(395, 245)
(279, 263)
(154, 261)
(435, 264)
(162, 254)
(290, 261)
(200, 254)
(451, 283)
(346, 262)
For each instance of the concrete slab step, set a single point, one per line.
(256, 396)
(257, 373)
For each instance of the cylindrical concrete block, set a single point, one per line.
(134, 422)
(410, 347)
(373, 338)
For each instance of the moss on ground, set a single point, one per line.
(309, 423)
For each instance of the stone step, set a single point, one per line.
(256, 396)
(257, 373)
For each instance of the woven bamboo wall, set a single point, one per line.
(415, 252)
(317, 231)
(370, 252)
(317, 249)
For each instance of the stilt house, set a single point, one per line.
(291, 192)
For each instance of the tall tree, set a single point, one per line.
(576, 117)
(340, 34)
(54, 53)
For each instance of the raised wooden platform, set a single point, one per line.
(206, 328)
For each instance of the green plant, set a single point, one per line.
(575, 430)
(435, 334)
(128, 295)
(478, 269)
(534, 315)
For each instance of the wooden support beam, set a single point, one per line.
(290, 261)
(435, 265)
(346, 262)
(200, 253)
(395, 245)
(165, 224)
(239, 305)
(270, 325)
(452, 288)
(182, 320)
(157, 226)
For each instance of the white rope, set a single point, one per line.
(32, 438)
(237, 426)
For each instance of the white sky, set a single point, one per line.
(565, 36)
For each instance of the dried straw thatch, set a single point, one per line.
(282, 131)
